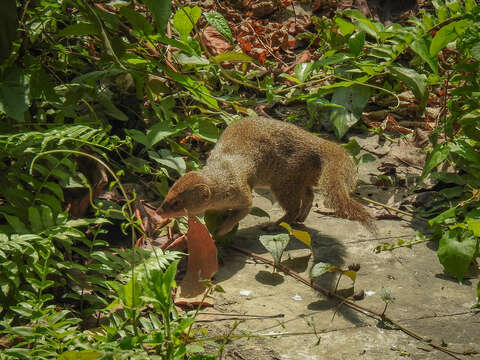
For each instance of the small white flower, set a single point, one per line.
(245, 292)
(297, 297)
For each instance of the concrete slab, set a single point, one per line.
(428, 301)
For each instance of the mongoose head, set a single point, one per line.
(190, 195)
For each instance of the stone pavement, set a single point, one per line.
(427, 301)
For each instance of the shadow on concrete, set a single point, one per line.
(325, 249)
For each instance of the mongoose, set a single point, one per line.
(257, 152)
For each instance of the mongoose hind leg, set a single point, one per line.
(307, 201)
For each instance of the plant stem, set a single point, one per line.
(350, 304)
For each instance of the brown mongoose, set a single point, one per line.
(256, 152)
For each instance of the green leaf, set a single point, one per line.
(354, 99)
(166, 158)
(217, 20)
(161, 11)
(206, 130)
(42, 86)
(471, 124)
(322, 268)
(473, 221)
(93, 76)
(475, 50)
(363, 23)
(440, 218)
(456, 250)
(160, 131)
(290, 77)
(155, 134)
(436, 157)
(446, 35)
(345, 27)
(356, 42)
(138, 136)
(275, 244)
(303, 236)
(14, 91)
(50, 201)
(8, 27)
(133, 292)
(333, 59)
(80, 355)
(302, 71)
(47, 216)
(35, 219)
(414, 81)
(185, 18)
(366, 158)
(79, 29)
(353, 147)
(54, 188)
(161, 284)
(17, 225)
(351, 274)
(111, 109)
(470, 5)
(198, 90)
(185, 59)
(137, 20)
(25, 331)
(474, 226)
(421, 48)
(232, 56)
(256, 211)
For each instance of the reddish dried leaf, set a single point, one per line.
(304, 57)
(259, 54)
(247, 47)
(202, 263)
(279, 38)
(215, 42)
(178, 244)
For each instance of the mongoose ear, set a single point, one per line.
(204, 191)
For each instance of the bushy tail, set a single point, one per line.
(337, 180)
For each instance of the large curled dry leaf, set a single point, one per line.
(202, 264)
(215, 42)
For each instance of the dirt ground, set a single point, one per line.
(427, 301)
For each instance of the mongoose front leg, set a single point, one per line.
(289, 200)
(234, 216)
(307, 201)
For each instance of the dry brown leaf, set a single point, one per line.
(202, 264)
(263, 8)
(215, 42)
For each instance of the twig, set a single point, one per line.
(233, 318)
(350, 304)
(245, 315)
(391, 208)
(268, 48)
(446, 22)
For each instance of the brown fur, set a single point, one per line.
(258, 152)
